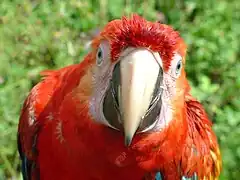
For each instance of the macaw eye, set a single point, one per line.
(103, 54)
(99, 56)
(178, 67)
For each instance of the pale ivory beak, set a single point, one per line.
(139, 72)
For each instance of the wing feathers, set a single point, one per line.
(201, 153)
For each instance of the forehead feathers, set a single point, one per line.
(138, 32)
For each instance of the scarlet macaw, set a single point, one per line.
(124, 112)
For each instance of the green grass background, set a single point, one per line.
(44, 34)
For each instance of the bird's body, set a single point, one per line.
(63, 135)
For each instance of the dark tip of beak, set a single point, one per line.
(128, 140)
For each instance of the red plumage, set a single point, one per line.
(138, 32)
(60, 138)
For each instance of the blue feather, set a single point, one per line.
(194, 177)
(26, 164)
(159, 177)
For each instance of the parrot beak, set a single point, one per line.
(139, 72)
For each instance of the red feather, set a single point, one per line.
(57, 132)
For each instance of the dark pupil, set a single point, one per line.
(99, 54)
(178, 66)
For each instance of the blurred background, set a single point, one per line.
(47, 34)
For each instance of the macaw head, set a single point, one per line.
(138, 76)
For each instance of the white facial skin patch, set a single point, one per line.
(139, 72)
